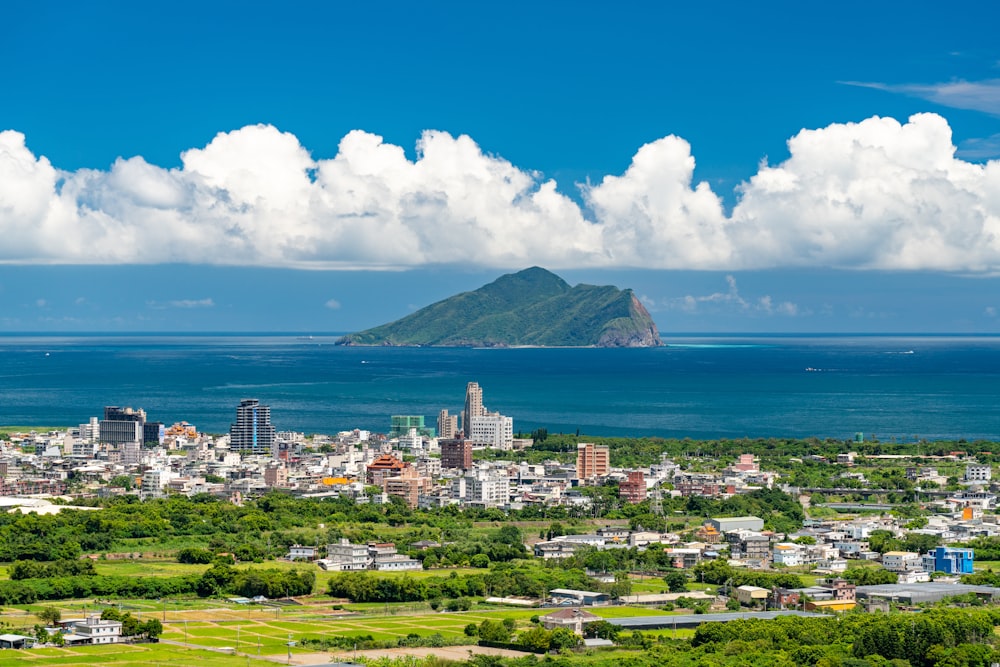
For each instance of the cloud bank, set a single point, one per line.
(871, 195)
(729, 301)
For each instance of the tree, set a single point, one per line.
(49, 615)
(563, 638)
(536, 638)
(602, 629)
(676, 581)
(122, 482)
(494, 631)
(151, 628)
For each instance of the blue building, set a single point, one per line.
(953, 561)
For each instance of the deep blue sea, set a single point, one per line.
(910, 387)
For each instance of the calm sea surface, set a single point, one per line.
(701, 387)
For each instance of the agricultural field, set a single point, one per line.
(144, 655)
(196, 631)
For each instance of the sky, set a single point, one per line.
(327, 167)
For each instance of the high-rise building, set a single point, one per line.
(252, 433)
(447, 425)
(153, 434)
(121, 425)
(456, 454)
(473, 406)
(592, 460)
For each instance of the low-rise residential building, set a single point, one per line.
(750, 595)
(901, 561)
(574, 619)
(787, 554)
(97, 630)
(300, 552)
(346, 556)
(978, 473)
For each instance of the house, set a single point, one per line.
(346, 556)
(913, 577)
(750, 595)
(786, 554)
(842, 589)
(683, 558)
(98, 630)
(299, 552)
(901, 561)
(784, 597)
(383, 557)
(573, 618)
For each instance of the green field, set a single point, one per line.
(254, 631)
(144, 655)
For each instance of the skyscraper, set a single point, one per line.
(252, 433)
(473, 406)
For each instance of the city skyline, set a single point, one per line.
(743, 169)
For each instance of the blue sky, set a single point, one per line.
(330, 166)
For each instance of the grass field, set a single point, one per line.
(258, 633)
(145, 655)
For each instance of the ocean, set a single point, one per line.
(902, 387)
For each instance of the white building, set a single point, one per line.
(348, 556)
(153, 482)
(787, 554)
(300, 552)
(98, 631)
(978, 473)
(901, 561)
(492, 430)
(487, 488)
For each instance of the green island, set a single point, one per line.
(533, 307)
(201, 580)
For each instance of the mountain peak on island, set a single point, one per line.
(533, 307)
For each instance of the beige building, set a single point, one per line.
(749, 595)
(574, 619)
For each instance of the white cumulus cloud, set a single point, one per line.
(876, 194)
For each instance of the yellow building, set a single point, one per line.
(830, 605)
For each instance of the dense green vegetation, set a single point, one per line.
(502, 580)
(220, 579)
(531, 307)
